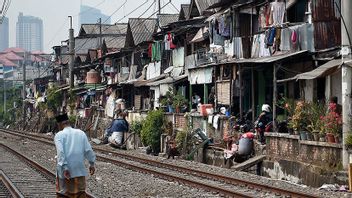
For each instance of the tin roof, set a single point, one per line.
(184, 12)
(106, 29)
(112, 42)
(142, 29)
(165, 19)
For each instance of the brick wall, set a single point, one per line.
(180, 121)
(289, 147)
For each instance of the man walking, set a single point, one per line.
(72, 148)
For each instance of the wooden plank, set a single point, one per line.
(249, 163)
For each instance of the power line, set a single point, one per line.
(63, 24)
(133, 11)
(174, 7)
(104, 22)
(144, 19)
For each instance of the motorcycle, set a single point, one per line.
(244, 125)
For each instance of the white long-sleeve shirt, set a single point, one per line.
(73, 148)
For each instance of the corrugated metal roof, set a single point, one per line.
(321, 71)
(142, 29)
(184, 12)
(84, 44)
(203, 5)
(119, 28)
(165, 19)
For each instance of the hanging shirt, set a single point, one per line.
(278, 12)
(156, 51)
(73, 148)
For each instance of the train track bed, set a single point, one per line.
(110, 180)
(27, 179)
(225, 172)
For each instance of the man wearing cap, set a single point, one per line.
(72, 148)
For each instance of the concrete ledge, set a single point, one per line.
(323, 144)
(282, 135)
(249, 163)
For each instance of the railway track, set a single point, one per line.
(7, 188)
(24, 177)
(224, 185)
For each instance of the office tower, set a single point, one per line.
(29, 33)
(4, 34)
(89, 15)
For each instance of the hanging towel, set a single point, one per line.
(150, 46)
(216, 121)
(210, 119)
(156, 51)
(167, 42)
(171, 38)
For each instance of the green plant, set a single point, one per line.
(136, 126)
(54, 99)
(178, 101)
(298, 120)
(152, 129)
(72, 119)
(315, 111)
(348, 141)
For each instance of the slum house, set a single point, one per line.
(252, 55)
(90, 76)
(324, 80)
(172, 62)
(97, 42)
(139, 40)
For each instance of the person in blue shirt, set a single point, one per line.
(72, 148)
(115, 132)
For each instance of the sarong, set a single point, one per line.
(73, 188)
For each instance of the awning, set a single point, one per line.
(141, 82)
(270, 59)
(217, 14)
(322, 71)
(200, 35)
(168, 80)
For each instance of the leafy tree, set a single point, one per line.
(152, 129)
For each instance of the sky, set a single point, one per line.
(54, 14)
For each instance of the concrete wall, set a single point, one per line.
(307, 162)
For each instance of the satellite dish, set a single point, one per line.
(168, 70)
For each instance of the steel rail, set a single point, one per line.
(13, 190)
(48, 174)
(209, 175)
(159, 174)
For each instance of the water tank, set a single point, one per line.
(93, 77)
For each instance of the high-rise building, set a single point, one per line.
(89, 15)
(4, 34)
(29, 33)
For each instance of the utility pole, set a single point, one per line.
(100, 34)
(24, 89)
(72, 53)
(4, 93)
(346, 31)
(159, 6)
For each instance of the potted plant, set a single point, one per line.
(314, 119)
(348, 141)
(178, 101)
(332, 124)
(297, 119)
